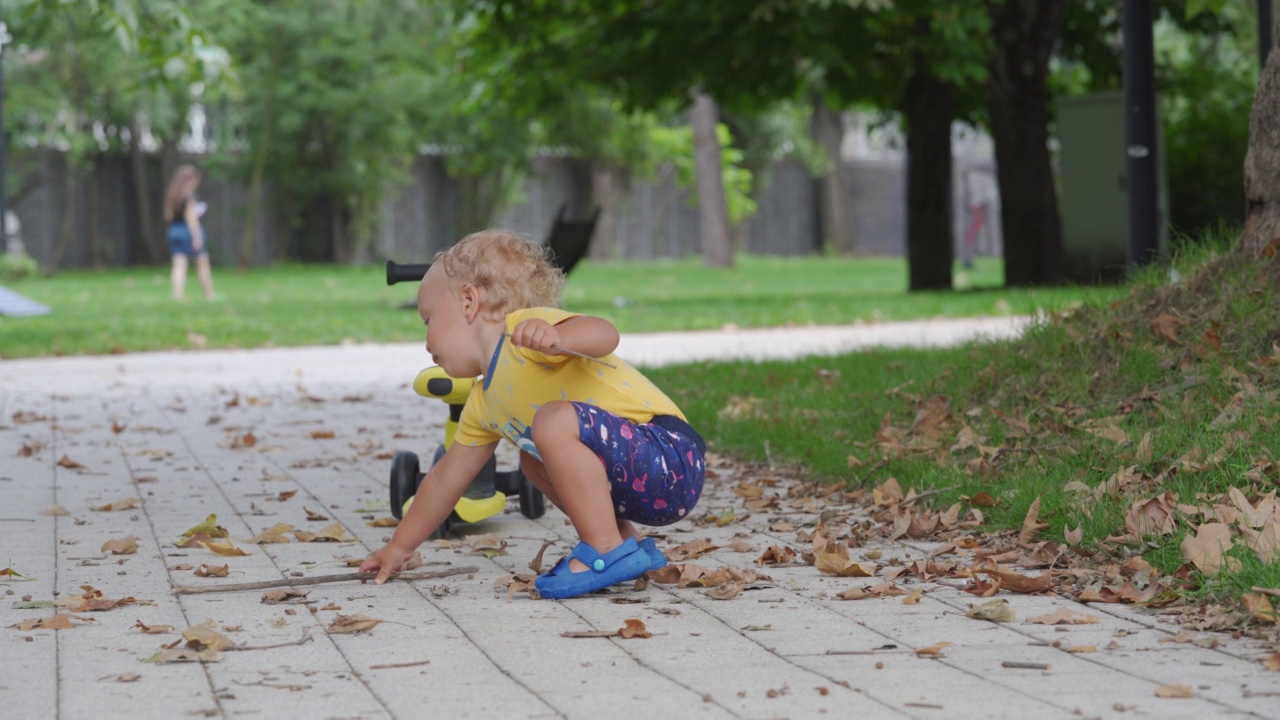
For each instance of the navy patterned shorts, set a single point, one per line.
(655, 470)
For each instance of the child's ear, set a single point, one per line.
(470, 296)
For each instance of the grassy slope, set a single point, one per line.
(1171, 389)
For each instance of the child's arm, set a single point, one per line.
(439, 491)
(192, 218)
(586, 334)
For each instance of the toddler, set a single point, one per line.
(600, 440)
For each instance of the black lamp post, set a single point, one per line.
(1138, 75)
(4, 144)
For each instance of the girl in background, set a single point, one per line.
(186, 237)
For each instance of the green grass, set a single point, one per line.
(108, 311)
(1206, 399)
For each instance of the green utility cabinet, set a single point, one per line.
(1091, 182)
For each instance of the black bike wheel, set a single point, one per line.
(533, 504)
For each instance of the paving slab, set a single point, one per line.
(304, 437)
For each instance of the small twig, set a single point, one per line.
(575, 353)
(265, 684)
(319, 579)
(1024, 665)
(306, 636)
(17, 520)
(1274, 592)
(399, 665)
(926, 494)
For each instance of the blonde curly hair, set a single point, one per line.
(513, 271)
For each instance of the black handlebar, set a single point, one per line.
(409, 272)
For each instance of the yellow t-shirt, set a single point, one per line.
(521, 380)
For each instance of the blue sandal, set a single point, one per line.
(657, 560)
(625, 562)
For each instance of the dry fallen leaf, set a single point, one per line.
(55, 511)
(1207, 548)
(1063, 616)
(691, 550)
(932, 650)
(777, 555)
(1165, 327)
(209, 528)
(90, 600)
(1031, 525)
(332, 533)
(279, 595)
(153, 629)
(126, 504)
(536, 563)
(835, 560)
(1174, 690)
(633, 628)
(345, 624)
(728, 591)
(126, 545)
(1259, 606)
(273, 534)
(488, 544)
(212, 571)
(998, 610)
(1073, 537)
(222, 547)
(247, 440)
(69, 464)
(200, 637)
(60, 621)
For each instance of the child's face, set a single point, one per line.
(450, 334)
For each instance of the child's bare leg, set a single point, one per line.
(626, 530)
(576, 477)
(536, 473)
(178, 277)
(204, 271)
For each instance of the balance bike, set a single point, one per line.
(487, 494)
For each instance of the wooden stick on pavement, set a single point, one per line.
(317, 580)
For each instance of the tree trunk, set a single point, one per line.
(341, 250)
(713, 214)
(262, 148)
(67, 225)
(607, 186)
(836, 224)
(96, 256)
(929, 104)
(1262, 166)
(153, 252)
(1025, 33)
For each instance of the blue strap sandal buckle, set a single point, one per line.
(625, 562)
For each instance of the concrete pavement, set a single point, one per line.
(303, 436)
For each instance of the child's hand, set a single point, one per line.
(387, 560)
(538, 335)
